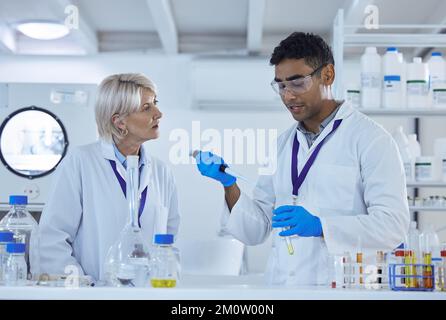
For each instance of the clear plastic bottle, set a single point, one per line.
(371, 79)
(128, 259)
(19, 221)
(5, 238)
(15, 268)
(165, 268)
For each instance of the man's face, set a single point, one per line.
(304, 105)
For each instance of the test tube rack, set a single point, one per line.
(412, 277)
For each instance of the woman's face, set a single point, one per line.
(143, 124)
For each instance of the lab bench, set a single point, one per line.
(249, 287)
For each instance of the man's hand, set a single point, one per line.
(209, 165)
(299, 221)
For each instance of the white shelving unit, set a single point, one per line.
(413, 113)
(432, 209)
(433, 184)
(358, 36)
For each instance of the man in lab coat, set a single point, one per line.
(339, 185)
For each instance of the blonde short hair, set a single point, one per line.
(121, 94)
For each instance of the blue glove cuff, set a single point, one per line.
(318, 226)
(231, 180)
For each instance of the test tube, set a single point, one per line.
(442, 269)
(359, 262)
(380, 265)
(289, 244)
(427, 270)
(399, 254)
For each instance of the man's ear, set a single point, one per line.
(328, 75)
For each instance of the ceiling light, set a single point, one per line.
(43, 30)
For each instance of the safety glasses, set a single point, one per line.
(296, 86)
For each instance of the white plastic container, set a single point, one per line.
(406, 155)
(403, 78)
(392, 67)
(353, 95)
(437, 81)
(440, 153)
(417, 84)
(414, 145)
(371, 79)
(426, 168)
(439, 96)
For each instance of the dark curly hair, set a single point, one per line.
(312, 48)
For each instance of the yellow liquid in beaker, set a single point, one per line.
(163, 283)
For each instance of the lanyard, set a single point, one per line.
(142, 201)
(296, 178)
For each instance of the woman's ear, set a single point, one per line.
(118, 122)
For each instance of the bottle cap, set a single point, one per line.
(399, 253)
(436, 54)
(392, 49)
(417, 60)
(443, 253)
(15, 248)
(20, 200)
(371, 50)
(6, 236)
(163, 238)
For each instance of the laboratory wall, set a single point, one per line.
(201, 199)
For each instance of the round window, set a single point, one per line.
(32, 142)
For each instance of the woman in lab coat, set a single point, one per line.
(339, 185)
(87, 208)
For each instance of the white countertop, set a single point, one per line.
(213, 288)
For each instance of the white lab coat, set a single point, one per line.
(87, 209)
(356, 187)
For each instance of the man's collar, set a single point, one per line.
(325, 122)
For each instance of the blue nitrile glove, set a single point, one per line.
(299, 220)
(209, 165)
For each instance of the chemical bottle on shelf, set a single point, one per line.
(414, 145)
(20, 222)
(437, 80)
(392, 67)
(371, 79)
(417, 84)
(440, 154)
(353, 95)
(403, 79)
(405, 152)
